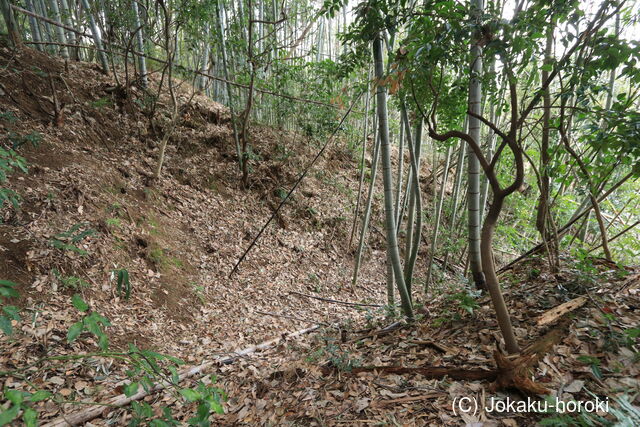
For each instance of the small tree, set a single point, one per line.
(10, 22)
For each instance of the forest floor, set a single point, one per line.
(379, 377)
(90, 206)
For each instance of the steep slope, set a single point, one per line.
(90, 208)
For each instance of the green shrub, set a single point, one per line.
(9, 312)
(9, 161)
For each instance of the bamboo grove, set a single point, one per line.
(525, 114)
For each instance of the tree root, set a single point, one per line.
(511, 373)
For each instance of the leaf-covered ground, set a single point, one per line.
(90, 208)
(312, 381)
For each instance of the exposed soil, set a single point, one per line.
(90, 207)
(90, 175)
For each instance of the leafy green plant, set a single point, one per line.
(17, 141)
(157, 256)
(122, 282)
(209, 399)
(74, 235)
(281, 193)
(534, 273)
(9, 161)
(9, 312)
(198, 290)
(91, 322)
(38, 71)
(162, 260)
(466, 300)
(283, 152)
(314, 281)
(8, 116)
(146, 102)
(587, 272)
(146, 369)
(153, 224)
(71, 282)
(113, 222)
(115, 208)
(632, 335)
(143, 415)
(20, 401)
(340, 359)
(149, 366)
(102, 103)
(252, 155)
(594, 362)
(624, 412)
(176, 262)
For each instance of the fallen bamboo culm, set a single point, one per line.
(334, 301)
(121, 400)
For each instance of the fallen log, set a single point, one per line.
(432, 372)
(557, 312)
(121, 400)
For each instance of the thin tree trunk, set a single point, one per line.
(64, 53)
(391, 301)
(473, 196)
(320, 42)
(562, 231)
(46, 28)
(67, 18)
(415, 200)
(362, 162)
(617, 235)
(502, 313)
(329, 34)
(608, 103)
(545, 159)
(204, 64)
(367, 209)
(436, 226)
(491, 142)
(392, 241)
(249, 104)
(241, 17)
(142, 62)
(169, 47)
(10, 21)
(96, 37)
(399, 175)
(456, 186)
(593, 188)
(33, 24)
(225, 68)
